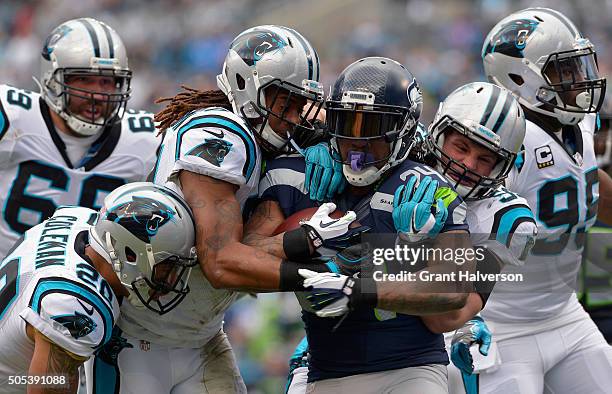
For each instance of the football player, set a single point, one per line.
(545, 340)
(475, 153)
(473, 141)
(372, 117)
(212, 154)
(71, 144)
(63, 281)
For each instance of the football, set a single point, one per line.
(294, 221)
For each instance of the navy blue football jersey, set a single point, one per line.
(368, 340)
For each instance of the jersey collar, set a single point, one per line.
(99, 151)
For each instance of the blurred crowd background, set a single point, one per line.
(174, 42)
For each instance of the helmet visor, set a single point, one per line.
(359, 121)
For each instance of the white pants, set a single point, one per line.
(426, 379)
(574, 358)
(299, 379)
(153, 369)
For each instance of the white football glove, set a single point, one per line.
(324, 227)
(329, 293)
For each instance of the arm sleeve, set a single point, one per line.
(70, 315)
(217, 148)
(515, 232)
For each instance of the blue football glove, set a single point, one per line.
(415, 215)
(324, 176)
(473, 332)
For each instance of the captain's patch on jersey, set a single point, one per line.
(544, 156)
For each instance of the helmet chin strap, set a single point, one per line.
(95, 244)
(107, 252)
(80, 127)
(364, 177)
(564, 117)
(135, 301)
(270, 135)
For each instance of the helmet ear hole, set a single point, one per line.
(240, 82)
(130, 254)
(517, 79)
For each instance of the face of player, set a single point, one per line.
(473, 156)
(165, 276)
(286, 109)
(91, 107)
(571, 73)
(373, 150)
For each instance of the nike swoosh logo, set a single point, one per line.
(89, 311)
(324, 225)
(218, 135)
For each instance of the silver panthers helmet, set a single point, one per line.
(147, 233)
(540, 55)
(272, 59)
(491, 117)
(85, 47)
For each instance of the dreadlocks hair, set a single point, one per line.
(189, 100)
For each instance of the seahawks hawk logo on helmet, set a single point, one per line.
(79, 324)
(213, 150)
(511, 38)
(253, 45)
(142, 216)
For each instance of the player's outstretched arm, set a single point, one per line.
(51, 360)
(225, 260)
(604, 209)
(334, 295)
(428, 297)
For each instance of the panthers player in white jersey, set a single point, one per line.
(474, 139)
(211, 155)
(546, 341)
(63, 281)
(71, 144)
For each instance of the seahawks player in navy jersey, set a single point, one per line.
(475, 152)
(372, 116)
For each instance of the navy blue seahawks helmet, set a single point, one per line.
(372, 116)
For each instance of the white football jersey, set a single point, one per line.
(505, 224)
(38, 175)
(48, 282)
(563, 189)
(217, 143)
